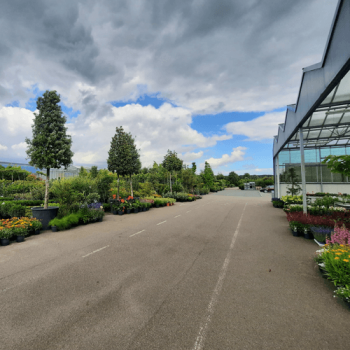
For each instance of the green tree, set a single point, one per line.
(233, 178)
(338, 164)
(208, 175)
(50, 146)
(133, 163)
(172, 163)
(292, 180)
(194, 167)
(94, 172)
(83, 172)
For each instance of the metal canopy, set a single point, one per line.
(329, 124)
(322, 108)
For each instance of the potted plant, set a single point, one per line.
(5, 235)
(36, 225)
(49, 148)
(20, 231)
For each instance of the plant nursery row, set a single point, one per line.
(327, 222)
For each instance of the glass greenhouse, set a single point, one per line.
(318, 125)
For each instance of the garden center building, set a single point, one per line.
(318, 125)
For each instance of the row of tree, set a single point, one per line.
(50, 147)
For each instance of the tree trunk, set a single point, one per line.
(131, 191)
(47, 188)
(171, 189)
(118, 188)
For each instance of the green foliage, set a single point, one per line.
(50, 146)
(83, 172)
(171, 162)
(208, 175)
(194, 167)
(292, 180)
(338, 164)
(13, 173)
(94, 172)
(146, 189)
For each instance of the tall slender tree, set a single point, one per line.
(171, 163)
(133, 164)
(119, 155)
(50, 146)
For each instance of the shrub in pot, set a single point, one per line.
(50, 146)
(5, 235)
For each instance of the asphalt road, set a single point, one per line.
(223, 272)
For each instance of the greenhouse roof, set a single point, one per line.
(323, 106)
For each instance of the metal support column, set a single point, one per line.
(303, 181)
(277, 172)
(321, 182)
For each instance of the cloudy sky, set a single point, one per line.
(207, 78)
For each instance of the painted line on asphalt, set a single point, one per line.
(137, 233)
(188, 211)
(199, 344)
(161, 223)
(176, 216)
(95, 251)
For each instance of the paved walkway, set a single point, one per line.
(223, 272)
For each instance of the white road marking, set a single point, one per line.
(161, 223)
(137, 233)
(199, 344)
(188, 211)
(95, 251)
(177, 216)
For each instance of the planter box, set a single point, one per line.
(45, 215)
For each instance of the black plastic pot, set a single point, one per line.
(37, 232)
(120, 213)
(128, 211)
(45, 215)
(114, 212)
(295, 233)
(99, 220)
(20, 239)
(136, 210)
(54, 228)
(157, 205)
(4, 241)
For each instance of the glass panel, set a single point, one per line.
(313, 134)
(328, 99)
(317, 118)
(310, 173)
(325, 152)
(333, 118)
(346, 118)
(338, 177)
(295, 156)
(283, 157)
(343, 92)
(326, 174)
(338, 151)
(325, 133)
(310, 155)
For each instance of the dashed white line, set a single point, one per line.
(137, 233)
(95, 251)
(176, 216)
(199, 344)
(161, 223)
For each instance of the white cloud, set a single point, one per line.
(189, 157)
(261, 128)
(236, 155)
(209, 56)
(21, 145)
(156, 131)
(15, 127)
(3, 148)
